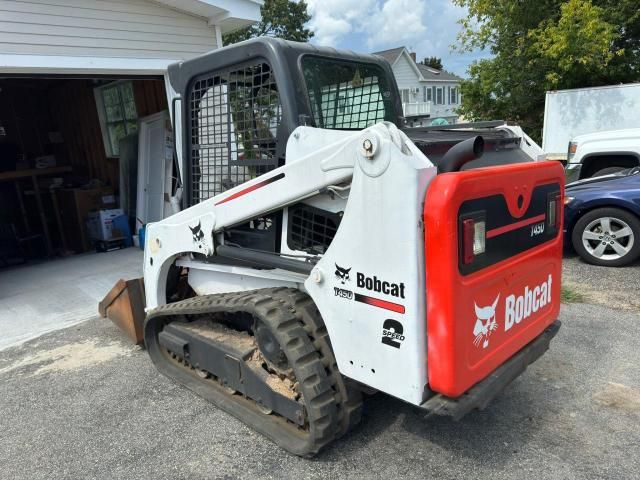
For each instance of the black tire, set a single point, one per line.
(607, 260)
(608, 171)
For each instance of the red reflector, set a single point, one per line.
(468, 230)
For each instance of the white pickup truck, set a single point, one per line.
(602, 153)
(596, 130)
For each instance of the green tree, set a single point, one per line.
(544, 45)
(433, 62)
(280, 18)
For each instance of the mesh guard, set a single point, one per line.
(234, 115)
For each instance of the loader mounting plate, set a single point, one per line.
(481, 394)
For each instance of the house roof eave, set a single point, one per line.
(228, 14)
(439, 80)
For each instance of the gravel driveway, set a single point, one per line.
(612, 287)
(83, 403)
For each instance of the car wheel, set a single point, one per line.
(608, 237)
(608, 171)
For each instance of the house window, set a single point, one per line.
(439, 96)
(427, 94)
(118, 115)
(453, 96)
(405, 95)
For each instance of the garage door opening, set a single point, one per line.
(69, 151)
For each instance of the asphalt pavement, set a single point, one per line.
(84, 403)
(612, 287)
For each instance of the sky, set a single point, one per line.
(427, 27)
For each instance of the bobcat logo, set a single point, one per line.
(342, 274)
(198, 234)
(485, 323)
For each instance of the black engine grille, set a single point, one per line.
(234, 116)
(311, 229)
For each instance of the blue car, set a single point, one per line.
(602, 218)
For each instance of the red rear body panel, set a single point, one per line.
(482, 313)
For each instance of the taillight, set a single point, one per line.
(473, 239)
(573, 147)
(554, 212)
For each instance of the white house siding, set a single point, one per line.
(406, 77)
(102, 28)
(405, 74)
(445, 110)
(412, 90)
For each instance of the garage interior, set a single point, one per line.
(68, 148)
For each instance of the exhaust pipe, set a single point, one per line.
(461, 153)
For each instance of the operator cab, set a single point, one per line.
(241, 103)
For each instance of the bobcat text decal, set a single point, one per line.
(197, 232)
(521, 307)
(392, 333)
(380, 286)
(517, 307)
(485, 323)
(537, 229)
(343, 293)
(198, 235)
(342, 274)
(374, 284)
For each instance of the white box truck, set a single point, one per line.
(595, 130)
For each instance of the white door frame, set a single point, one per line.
(144, 164)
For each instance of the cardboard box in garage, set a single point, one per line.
(75, 205)
(100, 224)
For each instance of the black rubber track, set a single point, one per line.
(316, 383)
(348, 399)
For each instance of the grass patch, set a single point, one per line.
(570, 295)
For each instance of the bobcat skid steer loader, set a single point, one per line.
(328, 256)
